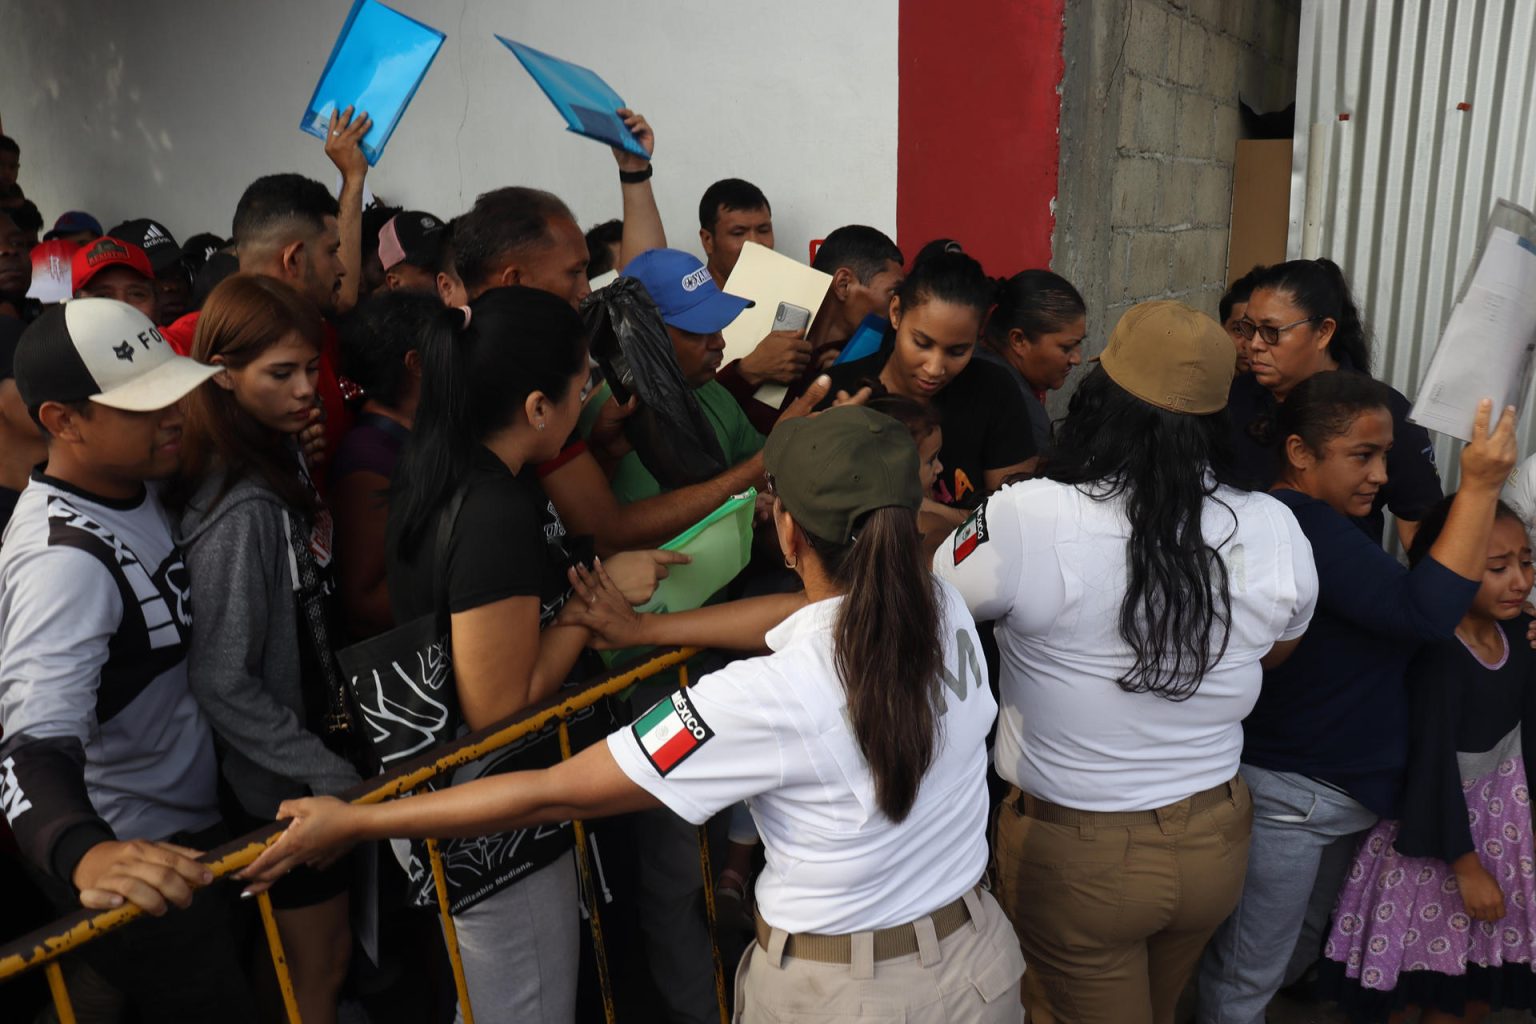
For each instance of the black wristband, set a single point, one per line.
(636, 177)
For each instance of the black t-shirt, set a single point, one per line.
(1413, 484)
(508, 541)
(986, 423)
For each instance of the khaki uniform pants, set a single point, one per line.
(1113, 917)
(970, 977)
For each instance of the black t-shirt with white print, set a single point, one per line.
(508, 541)
(985, 421)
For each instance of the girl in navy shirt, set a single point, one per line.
(1325, 747)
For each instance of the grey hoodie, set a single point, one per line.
(244, 664)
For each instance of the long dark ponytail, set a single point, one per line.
(1177, 613)
(888, 650)
(478, 367)
(1320, 288)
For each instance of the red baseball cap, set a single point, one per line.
(94, 257)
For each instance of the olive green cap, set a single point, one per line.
(832, 469)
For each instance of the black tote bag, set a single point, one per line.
(402, 681)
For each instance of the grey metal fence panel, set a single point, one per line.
(1427, 110)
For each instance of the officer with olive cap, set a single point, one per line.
(859, 743)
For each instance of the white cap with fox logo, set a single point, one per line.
(105, 351)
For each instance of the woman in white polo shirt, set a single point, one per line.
(859, 744)
(1135, 596)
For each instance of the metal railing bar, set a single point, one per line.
(83, 926)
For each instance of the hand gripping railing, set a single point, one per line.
(43, 948)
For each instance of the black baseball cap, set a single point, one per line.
(151, 236)
(105, 351)
(196, 250)
(410, 236)
(832, 469)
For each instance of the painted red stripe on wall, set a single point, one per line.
(978, 149)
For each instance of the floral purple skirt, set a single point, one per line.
(1399, 914)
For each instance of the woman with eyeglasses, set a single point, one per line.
(1302, 320)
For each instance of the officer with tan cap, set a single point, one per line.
(1136, 595)
(859, 744)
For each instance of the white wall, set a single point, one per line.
(169, 108)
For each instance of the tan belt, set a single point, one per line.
(890, 943)
(1040, 810)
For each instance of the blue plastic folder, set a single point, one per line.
(375, 67)
(583, 99)
(866, 339)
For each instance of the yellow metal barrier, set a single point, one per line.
(44, 947)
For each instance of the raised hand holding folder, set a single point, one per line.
(587, 103)
(378, 61)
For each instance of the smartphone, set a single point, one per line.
(790, 317)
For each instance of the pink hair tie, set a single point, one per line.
(467, 313)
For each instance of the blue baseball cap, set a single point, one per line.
(74, 222)
(684, 292)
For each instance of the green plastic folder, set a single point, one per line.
(720, 545)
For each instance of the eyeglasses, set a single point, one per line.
(1271, 335)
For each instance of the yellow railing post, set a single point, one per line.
(709, 895)
(279, 958)
(594, 897)
(450, 933)
(61, 1004)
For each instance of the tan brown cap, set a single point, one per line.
(1172, 356)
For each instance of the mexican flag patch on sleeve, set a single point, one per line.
(971, 534)
(671, 731)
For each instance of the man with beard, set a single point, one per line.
(290, 227)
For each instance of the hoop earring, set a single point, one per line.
(790, 563)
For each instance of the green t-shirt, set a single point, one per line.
(738, 439)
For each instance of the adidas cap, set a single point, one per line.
(151, 236)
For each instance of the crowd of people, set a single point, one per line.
(1010, 712)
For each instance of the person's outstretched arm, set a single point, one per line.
(589, 785)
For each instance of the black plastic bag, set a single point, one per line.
(669, 431)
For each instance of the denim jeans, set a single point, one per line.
(1303, 834)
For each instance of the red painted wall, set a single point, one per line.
(978, 113)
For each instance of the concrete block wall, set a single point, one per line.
(1149, 129)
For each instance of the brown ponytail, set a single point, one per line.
(888, 651)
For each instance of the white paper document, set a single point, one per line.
(1488, 345)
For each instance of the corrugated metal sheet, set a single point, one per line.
(1410, 175)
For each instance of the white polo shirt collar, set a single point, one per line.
(808, 622)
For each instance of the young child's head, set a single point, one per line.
(923, 421)
(1507, 576)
